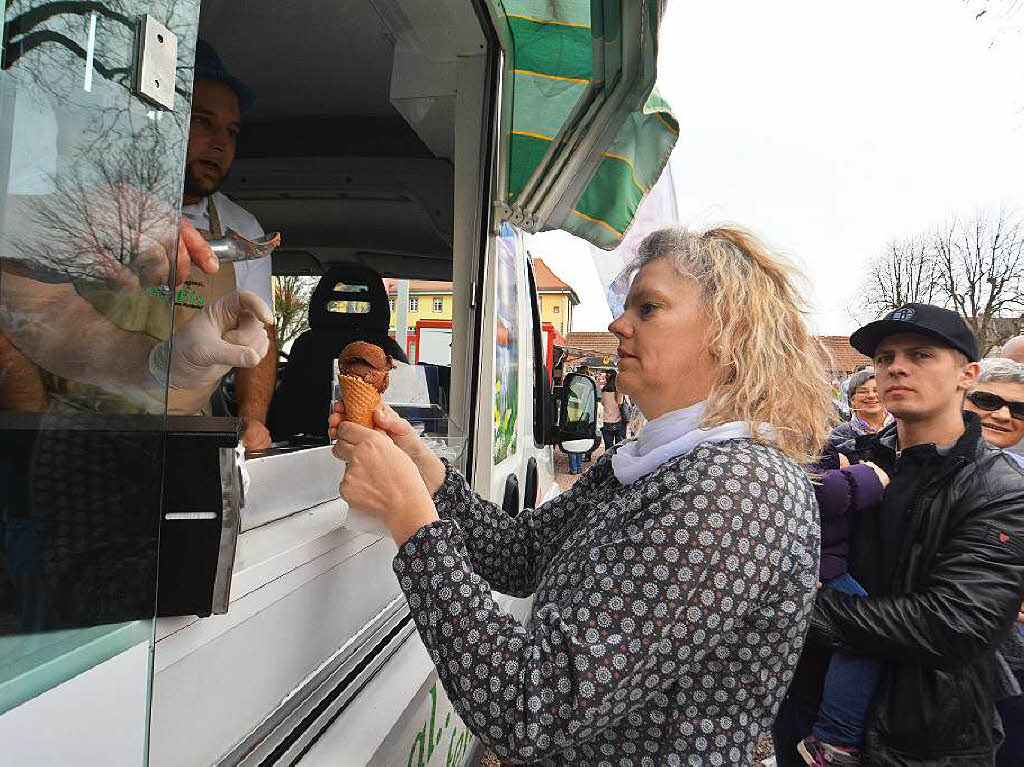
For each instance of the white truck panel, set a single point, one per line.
(96, 719)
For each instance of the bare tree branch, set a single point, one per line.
(291, 307)
(973, 266)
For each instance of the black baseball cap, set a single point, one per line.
(941, 324)
(209, 66)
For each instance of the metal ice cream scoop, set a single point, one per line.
(234, 247)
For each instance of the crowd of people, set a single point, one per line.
(863, 510)
(745, 563)
(735, 562)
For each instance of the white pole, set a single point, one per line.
(90, 50)
(402, 314)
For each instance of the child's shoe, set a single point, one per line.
(818, 754)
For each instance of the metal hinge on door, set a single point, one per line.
(156, 58)
(514, 215)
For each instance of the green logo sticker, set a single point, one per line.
(184, 297)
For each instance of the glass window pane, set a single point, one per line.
(348, 307)
(90, 196)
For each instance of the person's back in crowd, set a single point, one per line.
(940, 559)
(614, 428)
(843, 492)
(839, 403)
(1014, 350)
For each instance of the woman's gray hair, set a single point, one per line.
(1000, 370)
(683, 246)
(857, 380)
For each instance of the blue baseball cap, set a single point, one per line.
(209, 66)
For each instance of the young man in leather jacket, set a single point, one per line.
(941, 558)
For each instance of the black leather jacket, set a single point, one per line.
(959, 584)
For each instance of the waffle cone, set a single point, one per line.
(360, 399)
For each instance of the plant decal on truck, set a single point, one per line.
(506, 349)
(431, 737)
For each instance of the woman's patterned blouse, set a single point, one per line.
(667, 620)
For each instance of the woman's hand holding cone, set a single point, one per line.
(402, 502)
(400, 431)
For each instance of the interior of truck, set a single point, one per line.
(349, 150)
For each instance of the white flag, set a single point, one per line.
(658, 209)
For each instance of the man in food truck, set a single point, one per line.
(46, 320)
(218, 100)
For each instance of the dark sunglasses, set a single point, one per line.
(992, 402)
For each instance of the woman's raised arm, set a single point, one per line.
(636, 631)
(511, 552)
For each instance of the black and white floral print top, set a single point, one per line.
(667, 620)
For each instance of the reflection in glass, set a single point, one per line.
(348, 307)
(90, 205)
(344, 287)
(90, 194)
(581, 406)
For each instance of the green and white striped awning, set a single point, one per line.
(589, 135)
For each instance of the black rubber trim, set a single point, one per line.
(340, 689)
(490, 108)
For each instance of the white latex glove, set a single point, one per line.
(227, 334)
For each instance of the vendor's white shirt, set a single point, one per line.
(249, 275)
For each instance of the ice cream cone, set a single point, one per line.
(360, 399)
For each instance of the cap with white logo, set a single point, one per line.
(941, 324)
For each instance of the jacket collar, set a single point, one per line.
(970, 444)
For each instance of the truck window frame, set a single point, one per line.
(542, 391)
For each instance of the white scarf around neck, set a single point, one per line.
(669, 436)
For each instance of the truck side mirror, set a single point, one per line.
(577, 408)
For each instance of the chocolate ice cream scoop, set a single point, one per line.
(368, 362)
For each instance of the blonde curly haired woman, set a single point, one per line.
(673, 582)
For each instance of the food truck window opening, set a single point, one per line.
(349, 307)
(344, 287)
(351, 168)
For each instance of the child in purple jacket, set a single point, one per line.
(851, 680)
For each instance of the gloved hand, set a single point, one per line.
(229, 333)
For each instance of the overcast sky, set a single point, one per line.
(830, 130)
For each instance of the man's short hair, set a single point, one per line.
(1015, 341)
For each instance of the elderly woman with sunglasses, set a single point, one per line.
(998, 398)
